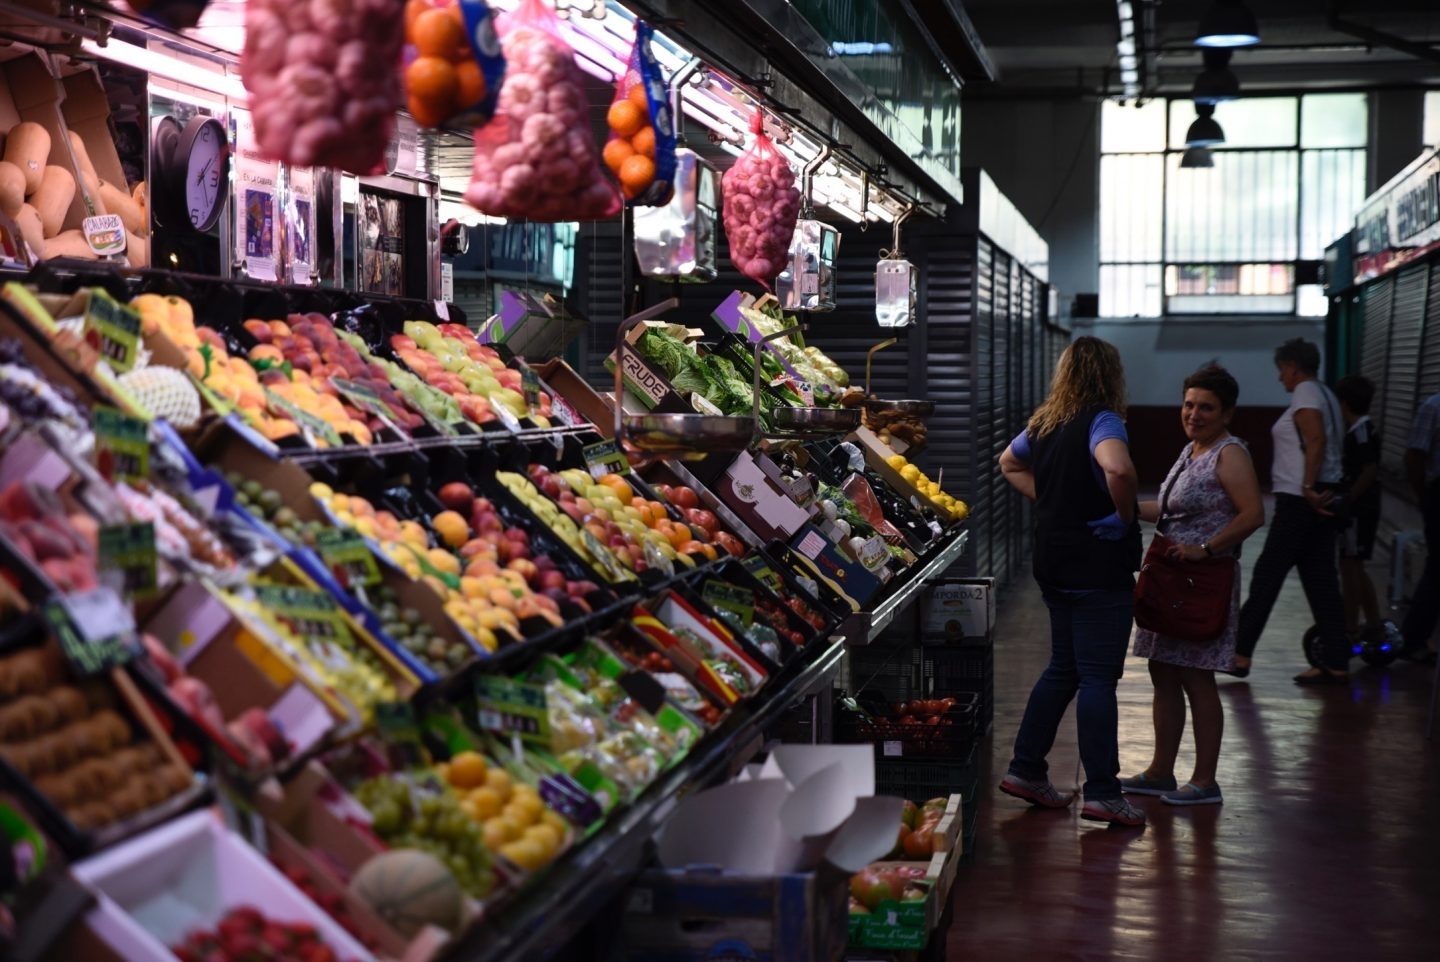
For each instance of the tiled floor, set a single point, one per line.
(1327, 846)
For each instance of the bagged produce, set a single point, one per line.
(641, 149)
(324, 80)
(453, 65)
(760, 206)
(537, 158)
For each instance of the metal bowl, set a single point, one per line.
(919, 409)
(689, 433)
(814, 422)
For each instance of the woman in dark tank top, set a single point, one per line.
(1073, 461)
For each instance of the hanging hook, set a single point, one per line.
(864, 200)
(677, 85)
(807, 177)
(900, 219)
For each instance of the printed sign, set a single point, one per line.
(112, 329)
(346, 553)
(605, 457)
(105, 234)
(128, 550)
(96, 629)
(312, 426)
(510, 706)
(124, 444)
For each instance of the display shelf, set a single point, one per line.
(464, 442)
(581, 885)
(864, 627)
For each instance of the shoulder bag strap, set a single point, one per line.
(1165, 496)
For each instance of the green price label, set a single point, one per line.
(124, 444)
(510, 706)
(112, 329)
(530, 386)
(85, 625)
(400, 731)
(346, 553)
(723, 596)
(764, 573)
(129, 550)
(313, 615)
(604, 556)
(605, 457)
(311, 425)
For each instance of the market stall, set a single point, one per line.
(341, 619)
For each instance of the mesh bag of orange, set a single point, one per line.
(453, 63)
(641, 149)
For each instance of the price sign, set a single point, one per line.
(723, 596)
(605, 457)
(806, 392)
(96, 629)
(364, 398)
(128, 551)
(530, 386)
(506, 416)
(105, 234)
(313, 615)
(873, 553)
(604, 556)
(802, 492)
(764, 573)
(513, 707)
(395, 720)
(124, 444)
(346, 553)
(311, 425)
(112, 329)
(570, 800)
(657, 560)
(564, 413)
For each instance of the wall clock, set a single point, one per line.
(190, 172)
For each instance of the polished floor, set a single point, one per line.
(1327, 846)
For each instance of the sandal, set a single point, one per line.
(1193, 794)
(1147, 784)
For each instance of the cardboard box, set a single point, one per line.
(569, 387)
(907, 925)
(876, 451)
(535, 327)
(185, 875)
(751, 487)
(644, 380)
(29, 91)
(959, 608)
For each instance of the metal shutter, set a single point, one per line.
(1376, 300)
(948, 279)
(1430, 347)
(602, 261)
(982, 511)
(1407, 324)
(1002, 503)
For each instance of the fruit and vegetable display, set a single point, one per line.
(761, 205)
(454, 639)
(324, 80)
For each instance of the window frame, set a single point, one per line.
(1301, 267)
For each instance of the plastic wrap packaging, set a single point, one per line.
(453, 63)
(324, 80)
(641, 149)
(761, 204)
(537, 159)
(678, 239)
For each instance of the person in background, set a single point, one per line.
(1422, 469)
(1304, 473)
(1211, 504)
(1360, 464)
(1073, 461)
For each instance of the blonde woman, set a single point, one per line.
(1073, 461)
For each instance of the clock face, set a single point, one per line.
(203, 157)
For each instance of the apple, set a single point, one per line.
(457, 496)
(683, 497)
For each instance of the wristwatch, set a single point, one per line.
(1205, 547)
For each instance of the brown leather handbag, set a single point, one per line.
(1188, 600)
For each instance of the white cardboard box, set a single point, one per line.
(960, 608)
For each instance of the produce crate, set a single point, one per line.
(958, 611)
(895, 739)
(966, 668)
(702, 915)
(879, 675)
(919, 780)
(908, 925)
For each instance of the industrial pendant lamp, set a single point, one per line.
(1229, 23)
(1196, 157)
(1216, 83)
(1204, 132)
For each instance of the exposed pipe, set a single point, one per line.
(807, 177)
(1420, 51)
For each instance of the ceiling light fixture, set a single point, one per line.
(1126, 49)
(1197, 157)
(1229, 23)
(1204, 132)
(1216, 82)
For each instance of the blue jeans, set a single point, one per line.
(1089, 632)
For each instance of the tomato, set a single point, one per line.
(921, 842)
(703, 519)
(683, 498)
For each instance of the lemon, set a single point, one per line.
(910, 473)
(896, 461)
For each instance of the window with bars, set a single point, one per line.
(1242, 237)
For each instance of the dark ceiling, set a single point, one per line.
(1058, 47)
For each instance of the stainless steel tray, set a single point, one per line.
(813, 422)
(686, 433)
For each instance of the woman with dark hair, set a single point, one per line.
(1210, 503)
(1073, 460)
(1304, 472)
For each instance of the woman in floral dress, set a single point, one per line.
(1211, 504)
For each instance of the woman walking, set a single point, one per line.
(1210, 503)
(1304, 472)
(1073, 460)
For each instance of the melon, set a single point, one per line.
(410, 889)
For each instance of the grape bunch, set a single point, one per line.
(407, 627)
(30, 396)
(405, 816)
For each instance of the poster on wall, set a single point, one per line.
(382, 244)
(300, 224)
(255, 179)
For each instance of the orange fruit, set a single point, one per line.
(636, 174)
(625, 118)
(616, 152)
(437, 34)
(451, 528)
(471, 83)
(413, 9)
(644, 141)
(468, 770)
(620, 486)
(434, 81)
(637, 97)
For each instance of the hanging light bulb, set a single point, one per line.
(1216, 82)
(1204, 132)
(1197, 157)
(1229, 23)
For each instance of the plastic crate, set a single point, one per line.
(923, 779)
(892, 738)
(879, 675)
